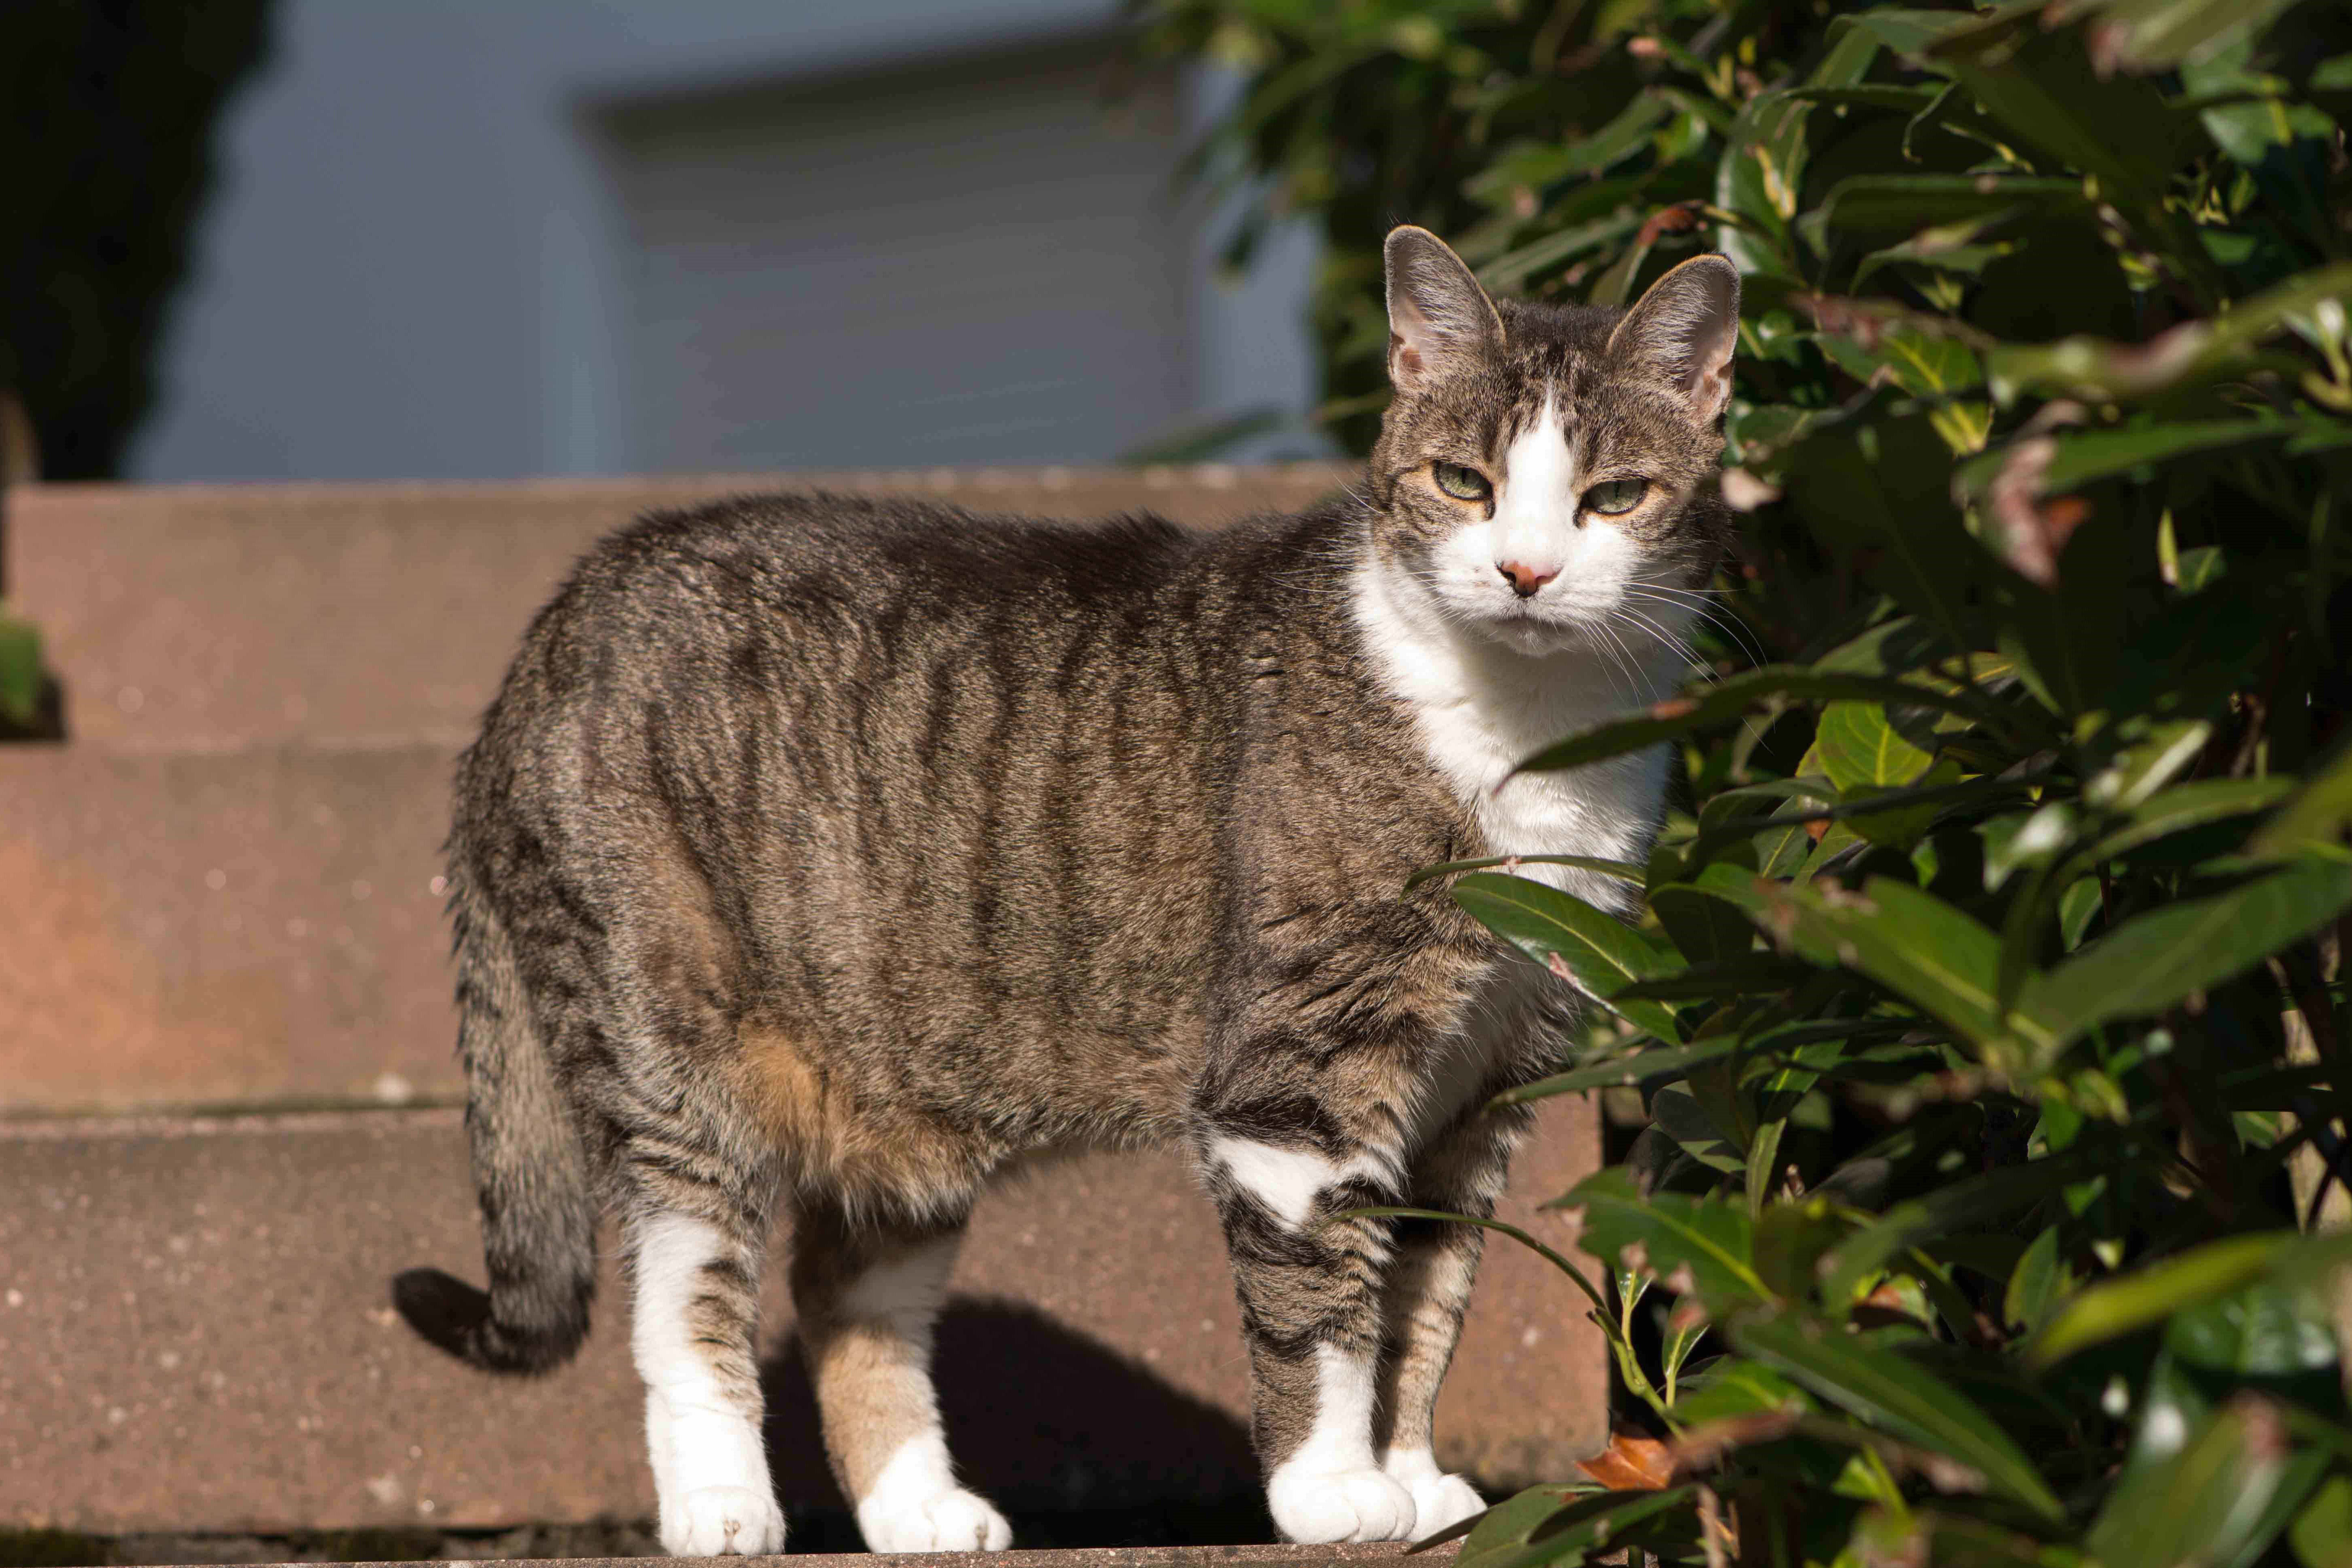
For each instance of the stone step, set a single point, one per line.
(194, 1337)
(218, 1550)
(223, 887)
(223, 929)
(214, 616)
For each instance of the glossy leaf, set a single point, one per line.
(1600, 950)
(1570, 1526)
(2150, 1295)
(1736, 695)
(2319, 814)
(1664, 1233)
(1890, 1391)
(2203, 1505)
(2322, 1532)
(1623, 1072)
(2089, 366)
(2154, 959)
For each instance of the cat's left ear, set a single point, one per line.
(1682, 332)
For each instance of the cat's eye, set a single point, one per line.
(1460, 483)
(1611, 497)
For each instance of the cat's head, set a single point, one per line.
(1543, 475)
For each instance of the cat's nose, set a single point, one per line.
(1525, 579)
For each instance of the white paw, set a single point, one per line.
(1320, 1507)
(1441, 1500)
(718, 1521)
(949, 1520)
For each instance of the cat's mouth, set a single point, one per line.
(1529, 629)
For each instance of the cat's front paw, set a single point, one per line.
(949, 1520)
(723, 1521)
(1317, 1506)
(1438, 1499)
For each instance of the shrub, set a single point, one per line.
(1988, 1006)
(105, 161)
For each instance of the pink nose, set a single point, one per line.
(1526, 580)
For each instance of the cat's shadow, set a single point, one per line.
(1080, 1445)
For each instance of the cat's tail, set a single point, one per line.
(531, 1174)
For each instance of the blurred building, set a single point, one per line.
(457, 239)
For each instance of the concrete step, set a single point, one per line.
(195, 1550)
(223, 887)
(245, 927)
(195, 1338)
(212, 616)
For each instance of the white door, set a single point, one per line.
(968, 263)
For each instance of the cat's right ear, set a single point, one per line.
(1439, 319)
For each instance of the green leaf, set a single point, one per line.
(2319, 814)
(1909, 33)
(1703, 927)
(1677, 1113)
(1735, 1386)
(1503, 1531)
(1532, 165)
(1592, 1525)
(2086, 366)
(2148, 1296)
(1899, 1395)
(2130, 782)
(1926, 952)
(2151, 34)
(1622, 1071)
(2204, 1504)
(1791, 1239)
(1665, 1232)
(2321, 1532)
(2043, 86)
(2263, 1330)
(2153, 960)
(1600, 950)
(1976, 1201)
(2093, 455)
(1900, 203)
(1858, 747)
(1624, 870)
(20, 672)
(2039, 1283)
(1735, 695)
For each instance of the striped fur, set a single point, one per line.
(832, 856)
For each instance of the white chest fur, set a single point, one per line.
(1483, 708)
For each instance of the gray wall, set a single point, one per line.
(423, 260)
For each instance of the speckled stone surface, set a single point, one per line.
(222, 889)
(195, 1336)
(1278, 1556)
(216, 615)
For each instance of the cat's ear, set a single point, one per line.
(1439, 319)
(1682, 332)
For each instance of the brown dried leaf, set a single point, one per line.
(1631, 1463)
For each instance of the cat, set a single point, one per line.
(837, 855)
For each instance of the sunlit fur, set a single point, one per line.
(833, 858)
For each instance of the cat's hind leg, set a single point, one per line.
(696, 1247)
(867, 1293)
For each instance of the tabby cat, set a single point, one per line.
(1150, 797)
